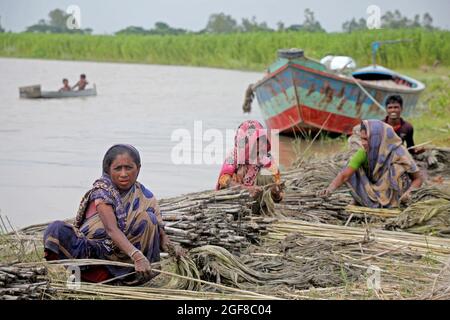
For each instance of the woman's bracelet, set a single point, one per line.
(133, 253)
(141, 258)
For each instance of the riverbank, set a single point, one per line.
(305, 248)
(326, 245)
(242, 51)
(432, 121)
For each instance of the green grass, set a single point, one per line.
(433, 119)
(245, 51)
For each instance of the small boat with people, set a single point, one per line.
(35, 92)
(66, 91)
(298, 93)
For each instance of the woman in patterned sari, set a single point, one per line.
(251, 165)
(118, 219)
(381, 173)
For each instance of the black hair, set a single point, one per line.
(393, 99)
(64, 80)
(119, 149)
(363, 127)
(83, 76)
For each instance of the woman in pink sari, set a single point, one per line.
(251, 165)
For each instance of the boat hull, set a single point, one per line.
(34, 92)
(298, 95)
(68, 94)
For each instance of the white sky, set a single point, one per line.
(108, 16)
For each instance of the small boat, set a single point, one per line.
(35, 92)
(299, 93)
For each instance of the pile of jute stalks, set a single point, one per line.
(225, 218)
(22, 283)
(221, 218)
(308, 206)
(302, 184)
(309, 247)
(296, 260)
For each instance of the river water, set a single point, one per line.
(51, 150)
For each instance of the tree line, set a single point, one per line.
(1, 28)
(223, 23)
(392, 20)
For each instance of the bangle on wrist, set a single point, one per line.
(133, 252)
(141, 258)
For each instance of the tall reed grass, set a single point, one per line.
(246, 51)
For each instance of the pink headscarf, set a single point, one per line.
(245, 140)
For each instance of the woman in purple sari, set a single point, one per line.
(118, 219)
(381, 173)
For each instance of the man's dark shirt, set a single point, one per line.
(406, 132)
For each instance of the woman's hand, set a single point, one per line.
(180, 251)
(325, 193)
(416, 183)
(168, 246)
(176, 250)
(240, 174)
(165, 241)
(406, 197)
(275, 190)
(419, 150)
(254, 191)
(142, 266)
(340, 179)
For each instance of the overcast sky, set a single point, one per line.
(108, 16)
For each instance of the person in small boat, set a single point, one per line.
(381, 173)
(250, 164)
(82, 83)
(118, 219)
(404, 129)
(66, 86)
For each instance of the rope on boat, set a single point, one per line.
(368, 94)
(249, 96)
